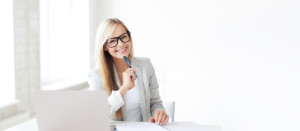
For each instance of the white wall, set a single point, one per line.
(232, 63)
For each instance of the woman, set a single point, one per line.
(133, 92)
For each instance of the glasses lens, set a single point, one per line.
(125, 38)
(112, 42)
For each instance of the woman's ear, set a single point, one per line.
(105, 48)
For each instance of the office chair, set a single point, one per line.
(170, 109)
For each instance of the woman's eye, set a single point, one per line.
(112, 41)
(124, 36)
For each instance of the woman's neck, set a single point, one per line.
(120, 65)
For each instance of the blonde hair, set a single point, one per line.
(104, 60)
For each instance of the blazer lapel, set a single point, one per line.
(141, 90)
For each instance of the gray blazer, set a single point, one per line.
(146, 84)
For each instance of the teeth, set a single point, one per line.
(121, 50)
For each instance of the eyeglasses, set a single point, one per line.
(112, 42)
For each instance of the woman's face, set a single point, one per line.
(119, 44)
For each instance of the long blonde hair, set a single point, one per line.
(103, 59)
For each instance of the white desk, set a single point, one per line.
(31, 125)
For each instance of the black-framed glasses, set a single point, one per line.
(112, 42)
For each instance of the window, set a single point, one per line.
(64, 38)
(7, 73)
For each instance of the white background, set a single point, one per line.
(64, 40)
(232, 63)
(7, 73)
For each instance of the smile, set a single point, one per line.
(122, 50)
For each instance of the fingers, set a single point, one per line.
(157, 116)
(133, 76)
(160, 117)
(132, 86)
(131, 72)
(166, 119)
(152, 120)
(130, 69)
(128, 79)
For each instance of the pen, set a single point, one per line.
(126, 60)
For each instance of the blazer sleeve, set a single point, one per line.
(115, 100)
(155, 101)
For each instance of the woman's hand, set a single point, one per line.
(160, 118)
(128, 80)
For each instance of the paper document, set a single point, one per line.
(175, 126)
(186, 126)
(141, 126)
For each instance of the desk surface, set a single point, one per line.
(31, 125)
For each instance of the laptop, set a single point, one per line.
(72, 110)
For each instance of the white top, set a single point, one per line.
(131, 109)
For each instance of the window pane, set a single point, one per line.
(64, 39)
(7, 75)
